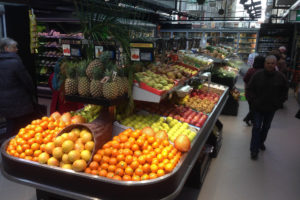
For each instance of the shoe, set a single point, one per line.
(254, 156)
(262, 147)
(247, 122)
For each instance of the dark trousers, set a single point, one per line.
(13, 125)
(249, 116)
(261, 125)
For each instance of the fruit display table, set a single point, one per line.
(76, 185)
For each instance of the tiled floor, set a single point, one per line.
(232, 175)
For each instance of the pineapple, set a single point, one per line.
(122, 82)
(83, 81)
(96, 87)
(91, 66)
(71, 81)
(110, 88)
(100, 63)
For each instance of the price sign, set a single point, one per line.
(66, 49)
(135, 54)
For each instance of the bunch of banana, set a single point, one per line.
(90, 112)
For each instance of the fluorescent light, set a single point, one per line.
(295, 5)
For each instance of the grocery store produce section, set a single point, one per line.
(147, 153)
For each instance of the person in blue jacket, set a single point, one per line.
(16, 89)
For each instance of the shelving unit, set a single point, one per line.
(244, 41)
(272, 36)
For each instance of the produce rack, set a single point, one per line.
(70, 184)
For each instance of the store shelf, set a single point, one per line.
(96, 101)
(89, 187)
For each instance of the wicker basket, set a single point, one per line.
(101, 129)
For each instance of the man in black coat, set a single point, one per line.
(16, 89)
(267, 90)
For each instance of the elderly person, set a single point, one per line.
(16, 88)
(267, 90)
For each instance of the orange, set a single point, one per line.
(155, 161)
(106, 145)
(128, 159)
(127, 152)
(142, 159)
(119, 171)
(169, 167)
(152, 175)
(128, 171)
(114, 152)
(111, 168)
(36, 153)
(94, 172)
(122, 164)
(126, 178)
(123, 138)
(120, 157)
(116, 138)
(113, 161)
(131, 140)
(107, 152)
(104, 166)
(140, 142)
(19, 149)
(135, 147)
(105, 159)
(136, 178)
(35, 146)
(88, 170)
(134, 164)
(136, 133)
(115, 144)
(137, 153)
(151, 139)
(94, 165)
(110, 175)
(28, 152)
(102, 172)
(139, 171)
(117, 177)
(146, 168)
(160, 172)
(97, 157)
(154, 168)
(161, 165)
(127, 145)
(145, 177)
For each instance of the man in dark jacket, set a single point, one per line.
(16, 89)
(267, 90)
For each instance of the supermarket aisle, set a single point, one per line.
(274, 176)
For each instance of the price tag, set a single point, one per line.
(114, 74)
(105, 79)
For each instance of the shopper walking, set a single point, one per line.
(16, 89)
(267, 90)
(258, 64)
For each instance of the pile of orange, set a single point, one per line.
(134, 156)
(31, 141)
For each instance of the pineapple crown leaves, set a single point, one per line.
(70, 70)
(97, 73)
(105, 57)
(81, 69)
